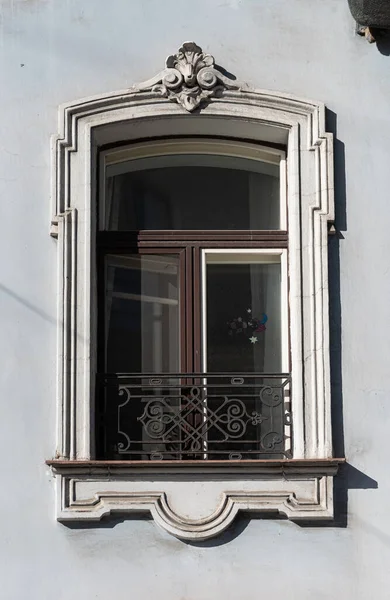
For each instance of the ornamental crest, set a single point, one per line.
(190, 78)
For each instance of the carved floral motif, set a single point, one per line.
(190, 78)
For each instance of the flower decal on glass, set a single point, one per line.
(247, 326)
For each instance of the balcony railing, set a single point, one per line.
(192, 416)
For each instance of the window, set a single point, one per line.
(194, 359)
(193, 346)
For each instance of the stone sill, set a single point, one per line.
(318, 466)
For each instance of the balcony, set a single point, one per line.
(194, 416)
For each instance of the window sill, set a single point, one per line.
(328, 466)
(195, 500)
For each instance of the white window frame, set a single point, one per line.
(301, 488)
(282, 254)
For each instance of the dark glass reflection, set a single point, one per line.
(243, 318)
(142, 314)
(191, 197)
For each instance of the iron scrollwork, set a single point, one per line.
(207, 416)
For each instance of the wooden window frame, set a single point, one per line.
(190, 244)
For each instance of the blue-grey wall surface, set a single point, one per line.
(53, 51)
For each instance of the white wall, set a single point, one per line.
(52, 51)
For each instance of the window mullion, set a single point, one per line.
(197, 307)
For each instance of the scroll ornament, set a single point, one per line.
(190, 78)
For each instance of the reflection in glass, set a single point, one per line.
(192, 192)
(142, 314)
(243, 331)
(243, 316)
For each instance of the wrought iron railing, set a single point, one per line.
(207, 416)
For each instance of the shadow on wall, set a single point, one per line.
(35, 309)
(334, 287)
(239, 524)
(348, 477)
(382, 39)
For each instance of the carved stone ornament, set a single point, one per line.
(190, 78)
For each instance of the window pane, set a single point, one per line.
(192, 192)
(142, 314)
(243, 315)
(243, 331)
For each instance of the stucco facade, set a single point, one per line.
(56, 52)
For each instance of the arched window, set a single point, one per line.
(192, 221)
(194, 352)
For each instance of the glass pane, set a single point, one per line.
(142, 314)
(243, 314)
(192, 192)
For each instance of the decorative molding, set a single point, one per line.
(303, 493)
(260, 117)
(190, 78)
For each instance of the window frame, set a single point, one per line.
(195, 244)
(284, 296)
(300, 488)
